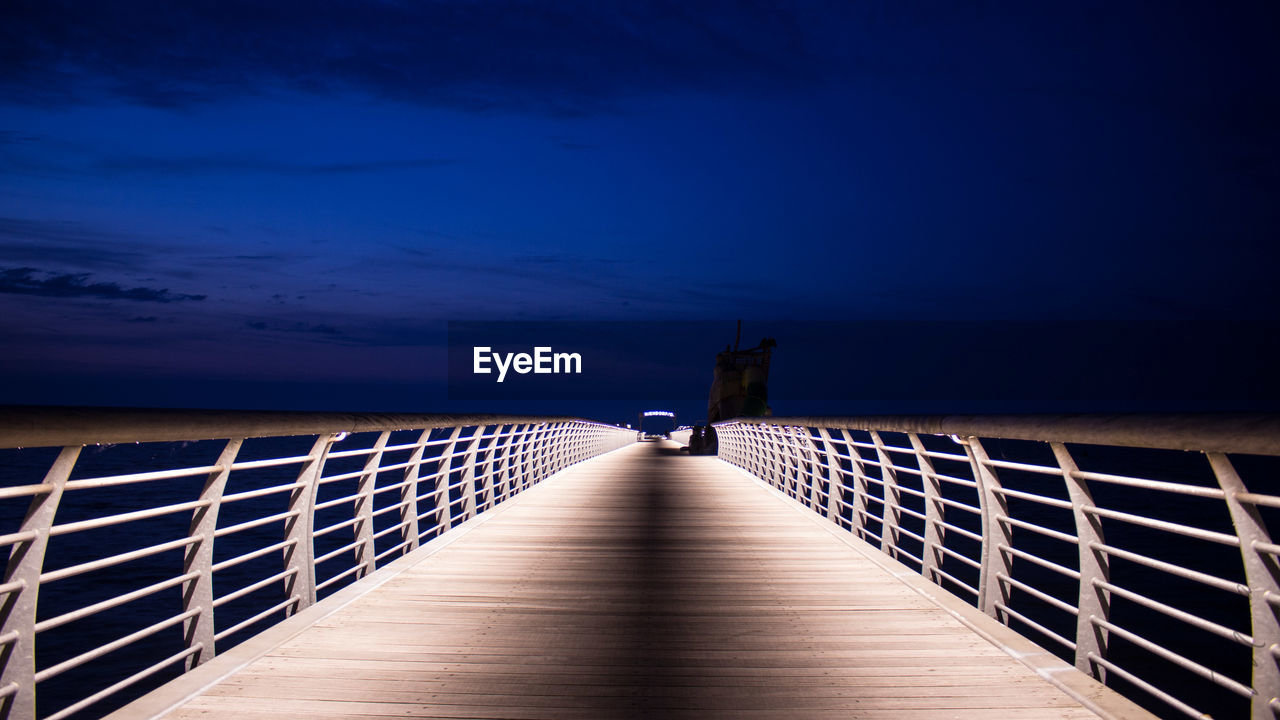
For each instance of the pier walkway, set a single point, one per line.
(642, 583)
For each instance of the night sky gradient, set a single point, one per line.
(934, 207)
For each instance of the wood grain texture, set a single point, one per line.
(645, 583)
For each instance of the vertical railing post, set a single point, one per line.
(528, 456)
(768, 455)
(197, 592)
(806, 465)
(484, 470)
(762, 453)
(444, 478)
(533, 455)
(791, 452)
(730, 444)
(469, 474)
(892, 499)
(570, 443)
(858, 514)
(545, 456)
(299, 554)
(744, 446)
(562, 447)
(500, 459)
(560, 452)
(363, 508)
(1094, 601)
(778, 436)
(762, 444)
(996, 534)
(934, 511)
(497, 453)
(572, 436)
(499, 448)
(1263, 575)
(817, 476)
(503, 484)
(835, 478)
(726, 443)
(756, 450)
(521, 478)
(26, 562)
(409, 494)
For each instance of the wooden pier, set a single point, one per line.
(644, 583)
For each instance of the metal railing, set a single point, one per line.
(238, 532)
(1102, 538)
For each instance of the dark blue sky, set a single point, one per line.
(237, 205)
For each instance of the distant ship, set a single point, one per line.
(739, 388)
(740, 383)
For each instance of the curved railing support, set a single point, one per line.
(1263, 575)
(495, 456)
(934, 512)
(363, 529)
(22, 584)
(997, 534)
(197, 593)
(299, 525)
(967, 517)
(1094, 603)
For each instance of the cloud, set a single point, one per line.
(195, 165)
(23, 281)
(298, 327)
(563, 57)
(67, 243)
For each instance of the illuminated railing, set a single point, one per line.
(252, 531)
(1150, 567)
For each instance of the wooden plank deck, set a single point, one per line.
(645, 583)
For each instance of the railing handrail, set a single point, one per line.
(42, 426)
(1249, 433)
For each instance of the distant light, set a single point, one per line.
(659, 413)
